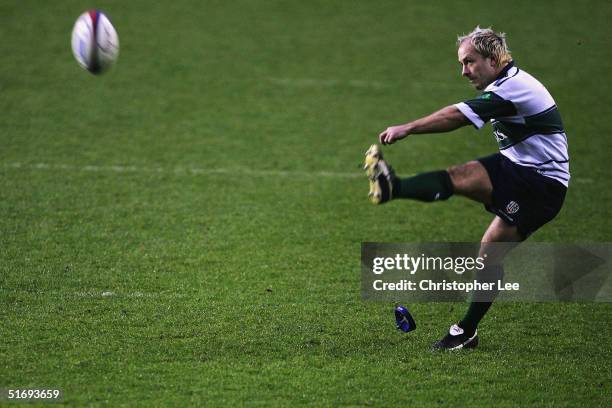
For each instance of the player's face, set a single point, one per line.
(479, 70)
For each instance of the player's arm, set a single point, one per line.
(444, 120)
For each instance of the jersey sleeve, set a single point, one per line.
(486, 107)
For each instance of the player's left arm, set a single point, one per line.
(444, 120)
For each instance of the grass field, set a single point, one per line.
(210, 183)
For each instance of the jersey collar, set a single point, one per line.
(504, 72)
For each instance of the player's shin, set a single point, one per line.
(431, 186)
(482, 299)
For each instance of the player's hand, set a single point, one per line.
(393, 134)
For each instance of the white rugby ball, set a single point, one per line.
(95, 43)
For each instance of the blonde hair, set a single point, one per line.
(489, 44)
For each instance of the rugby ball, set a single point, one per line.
(95, 43)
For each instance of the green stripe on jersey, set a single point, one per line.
(508, 134)
(549, 121)
(490, 105)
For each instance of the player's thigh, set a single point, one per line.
(472, 180)
(499, 239)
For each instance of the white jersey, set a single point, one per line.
(525, 120)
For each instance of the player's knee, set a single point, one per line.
(457, 175)
(471, 180)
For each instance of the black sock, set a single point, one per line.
(482, 300)
(432, 186)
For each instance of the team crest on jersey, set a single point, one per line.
(499, 136)
(512, 207)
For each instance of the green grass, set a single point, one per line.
(241, 287)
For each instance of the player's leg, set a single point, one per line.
(524, 201)
(465, 334)
(499, 231)
(385, 185)
(470, 180)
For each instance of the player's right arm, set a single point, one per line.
(444, 120)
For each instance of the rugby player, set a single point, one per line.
(524, 184)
